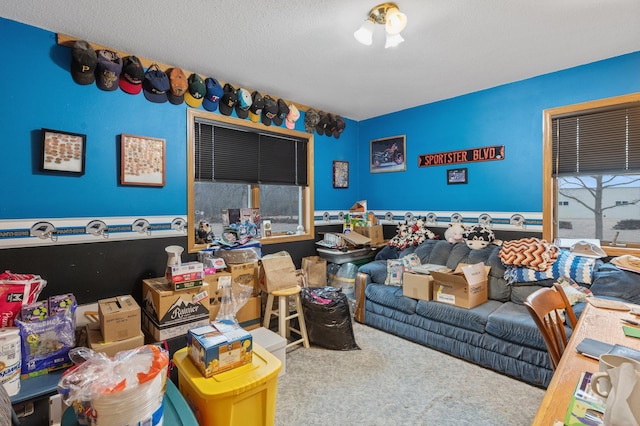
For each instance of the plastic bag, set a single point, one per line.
(327, 317)
(233, 297)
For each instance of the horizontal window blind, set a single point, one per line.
(601, 142)
(232, 155)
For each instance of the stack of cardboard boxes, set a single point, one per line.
(118, 328)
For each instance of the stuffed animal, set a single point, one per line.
(478, 236)
(455, 233)
(204, 233)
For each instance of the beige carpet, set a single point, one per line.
(392, 381)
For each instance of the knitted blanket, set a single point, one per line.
(580, 269)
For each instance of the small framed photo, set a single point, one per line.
(142, 161)
(456, 176)
(388, 155)
(63, 152)
(340, 174)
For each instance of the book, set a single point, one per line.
(585, 406)
(594, 348)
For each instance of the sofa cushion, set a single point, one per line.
(613, 282)
(520, 293)
(473, 319)
(387, 252)
(512, 322)
(434, 251)
(391, 297)
(377, 270)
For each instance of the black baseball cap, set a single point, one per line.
(83, 63)
(132, 75)
(269, 111)
(228, 100)
(257, 103)
(283, 110)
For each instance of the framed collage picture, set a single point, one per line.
(63, 152)
(142, 161)
(340, 174)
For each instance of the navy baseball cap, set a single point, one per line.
(156, 84)
(108, 69)
(213, 95)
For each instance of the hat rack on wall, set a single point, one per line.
(68, 41)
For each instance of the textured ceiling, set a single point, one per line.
(304, 50)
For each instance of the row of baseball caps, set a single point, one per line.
(109, 71)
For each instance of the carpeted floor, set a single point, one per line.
(392, 381)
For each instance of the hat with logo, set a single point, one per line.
(179, 86)
(257, 103)
(283, 110)
(340, 126)
(228, 100)
(83, 62)
(108, 69)
(213, 95)
(195, 92)
(322, 122)
(243, 104)
(270, 110)
(132, 75)
(292, 117)
(331, 125)
(311, 118)
(155, 85)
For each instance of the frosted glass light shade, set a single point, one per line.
(365, 33)
(393, 40)
(396, 21)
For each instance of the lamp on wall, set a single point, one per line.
(386, 14)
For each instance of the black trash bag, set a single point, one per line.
(328, 320)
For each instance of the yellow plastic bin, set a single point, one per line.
(242, 396)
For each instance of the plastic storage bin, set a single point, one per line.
(272, 342)
(243, 396)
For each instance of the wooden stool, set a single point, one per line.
(284, 326)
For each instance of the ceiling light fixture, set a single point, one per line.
(386, 14)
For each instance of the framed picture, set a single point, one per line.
(456, 176)
(340, 174)
(63, 152)
(388, 155)
(142, 161)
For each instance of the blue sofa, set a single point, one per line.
(499, 334)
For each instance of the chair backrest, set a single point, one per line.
(544, 305)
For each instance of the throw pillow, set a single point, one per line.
(410, 260)
(395, 268)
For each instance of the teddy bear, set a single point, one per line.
(455, 233)
(478, 236)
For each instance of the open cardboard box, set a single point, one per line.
(465, 287)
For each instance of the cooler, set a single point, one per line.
(242, 396)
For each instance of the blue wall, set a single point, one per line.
(509, 115)
(38, 92)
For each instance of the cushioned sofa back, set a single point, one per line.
(442, 252)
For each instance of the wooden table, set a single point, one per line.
(597, 323)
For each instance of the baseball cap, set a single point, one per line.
(108, 69)
(257, 103)
(212, 97)
(340, 126)
(322, 122)
(83, 62)
(283, 110)
(587, 249)
(228, 100)
(243, 104)
(155, 85)
(179, 85)
(311, 118)
(331, 125)
(132, 75)
(195, 92)
(292, 117)
(269, 111)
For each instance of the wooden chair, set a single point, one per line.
(543, 305)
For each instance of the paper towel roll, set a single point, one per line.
(10, 359)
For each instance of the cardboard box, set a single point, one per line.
(417, 286)
(465, 287)
(160, 332)
(119, 318)
(169, 307)
(187, 275)
(245, 274)
(219, 347)
(212, 279)
(373, 232)
(250, 315)
(98, 344)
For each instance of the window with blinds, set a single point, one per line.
(226, 154)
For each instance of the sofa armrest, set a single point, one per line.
(362, 280)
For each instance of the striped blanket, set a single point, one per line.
(580, 269)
